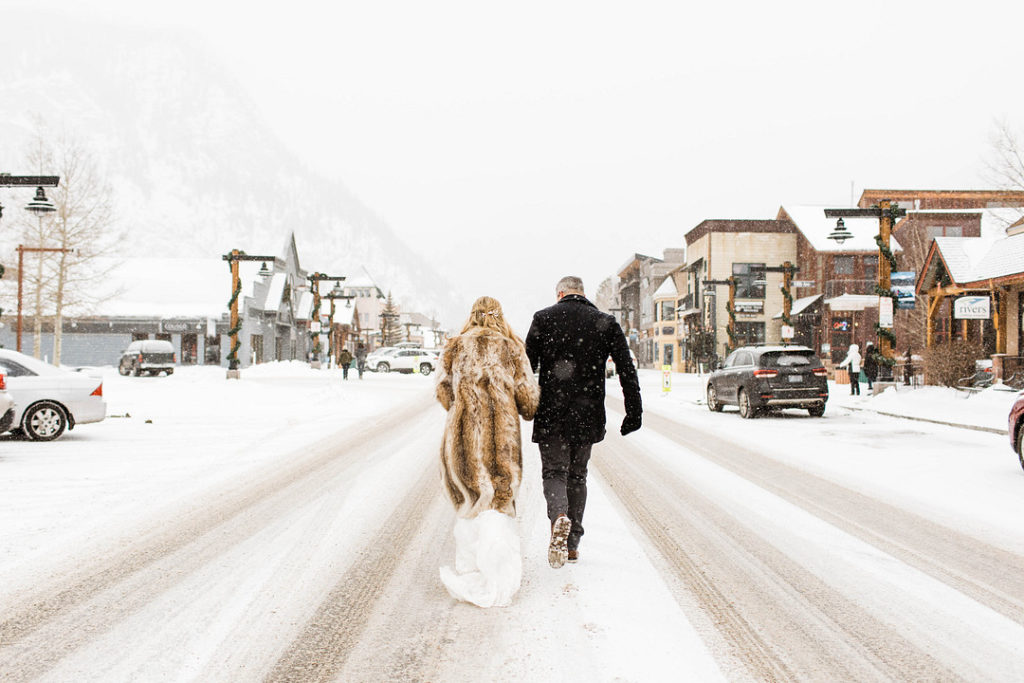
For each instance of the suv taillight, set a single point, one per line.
(820, 372)
(3, 381)
(140, 358)
(174, 357)
(762, 372)
(98, 391)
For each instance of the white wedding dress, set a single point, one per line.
(488, 561)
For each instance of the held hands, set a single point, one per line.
(630, 424)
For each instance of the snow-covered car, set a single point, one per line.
(150, 356)
(6, 405)
(408, 360)
(1016, 427)
(760, 378)
(47, 399)
(609, 365)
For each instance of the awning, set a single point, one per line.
(800, 305)
(687, 313)
(852, 302)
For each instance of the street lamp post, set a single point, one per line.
(233, 258)
(886, 213)
(731, 310)
(40, 204)
(788, 270)
(314, 327)
(336, 293)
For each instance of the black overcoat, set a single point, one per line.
(569, 343)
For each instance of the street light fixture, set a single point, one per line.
(840, 234)
(40, 204)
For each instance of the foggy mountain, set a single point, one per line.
(194, 170)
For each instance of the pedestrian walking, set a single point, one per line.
(485, 384)
(345, 360)
(870, 364)
(569, 344)
(360, 358)
(852, 361)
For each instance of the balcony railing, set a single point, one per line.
(835, 288)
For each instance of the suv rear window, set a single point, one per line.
(785, 360)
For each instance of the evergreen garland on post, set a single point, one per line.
(233, 332)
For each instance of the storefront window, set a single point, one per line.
(750, 280)
(749, 333)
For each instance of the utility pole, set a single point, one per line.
(731, 310)
(21, 267)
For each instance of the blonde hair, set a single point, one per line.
(487, 313)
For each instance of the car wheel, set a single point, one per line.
(136, 371)
(383, 367)
(747, 411)
(122, 369)
(425, 369)
(713, 403)
(816, 411)
(44, 421)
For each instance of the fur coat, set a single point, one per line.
(485, 383)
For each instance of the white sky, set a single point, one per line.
(518, 143)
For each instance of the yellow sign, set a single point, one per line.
(666, 378)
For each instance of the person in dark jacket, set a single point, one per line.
(870, 364)
(569, 344)
(361, 358)
(345, 361)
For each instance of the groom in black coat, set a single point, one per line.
(570, 343)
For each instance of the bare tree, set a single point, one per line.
(1005, 164)
(82, 227)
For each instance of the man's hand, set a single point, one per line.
(630, 424)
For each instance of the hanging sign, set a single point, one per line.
(666, 378)
(972, 308)
(788, 332)
(902, 284)
(885, 311)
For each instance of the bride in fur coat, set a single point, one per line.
(485, 383)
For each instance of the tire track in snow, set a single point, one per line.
(43, 628)
(320, 652)
(782, 622)
(990, 575)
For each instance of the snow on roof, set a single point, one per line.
(345, 315)
(168, 287)
(800, 305)
(275, 292)
(852, 302)
(811, 221)
(305, 310)
(667, 289)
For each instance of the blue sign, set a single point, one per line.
(903, 285)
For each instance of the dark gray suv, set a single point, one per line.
(761, 378)
(150, 356)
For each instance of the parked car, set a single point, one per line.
(47, 399)
(408, 360)
(379, 359)
(6, 405)
(1016, 425)
(609, 365)
(150, 356)
(759, 378)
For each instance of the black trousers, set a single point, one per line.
(564, 471)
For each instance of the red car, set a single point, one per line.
(1017, 427)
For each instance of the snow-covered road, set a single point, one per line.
(290, 527)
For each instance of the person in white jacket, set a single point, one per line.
(852, 361)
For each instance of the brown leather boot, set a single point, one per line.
(574, 555)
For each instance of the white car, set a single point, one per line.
(609, 365)
(48, 400)
(406, 360)
(6, 405)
